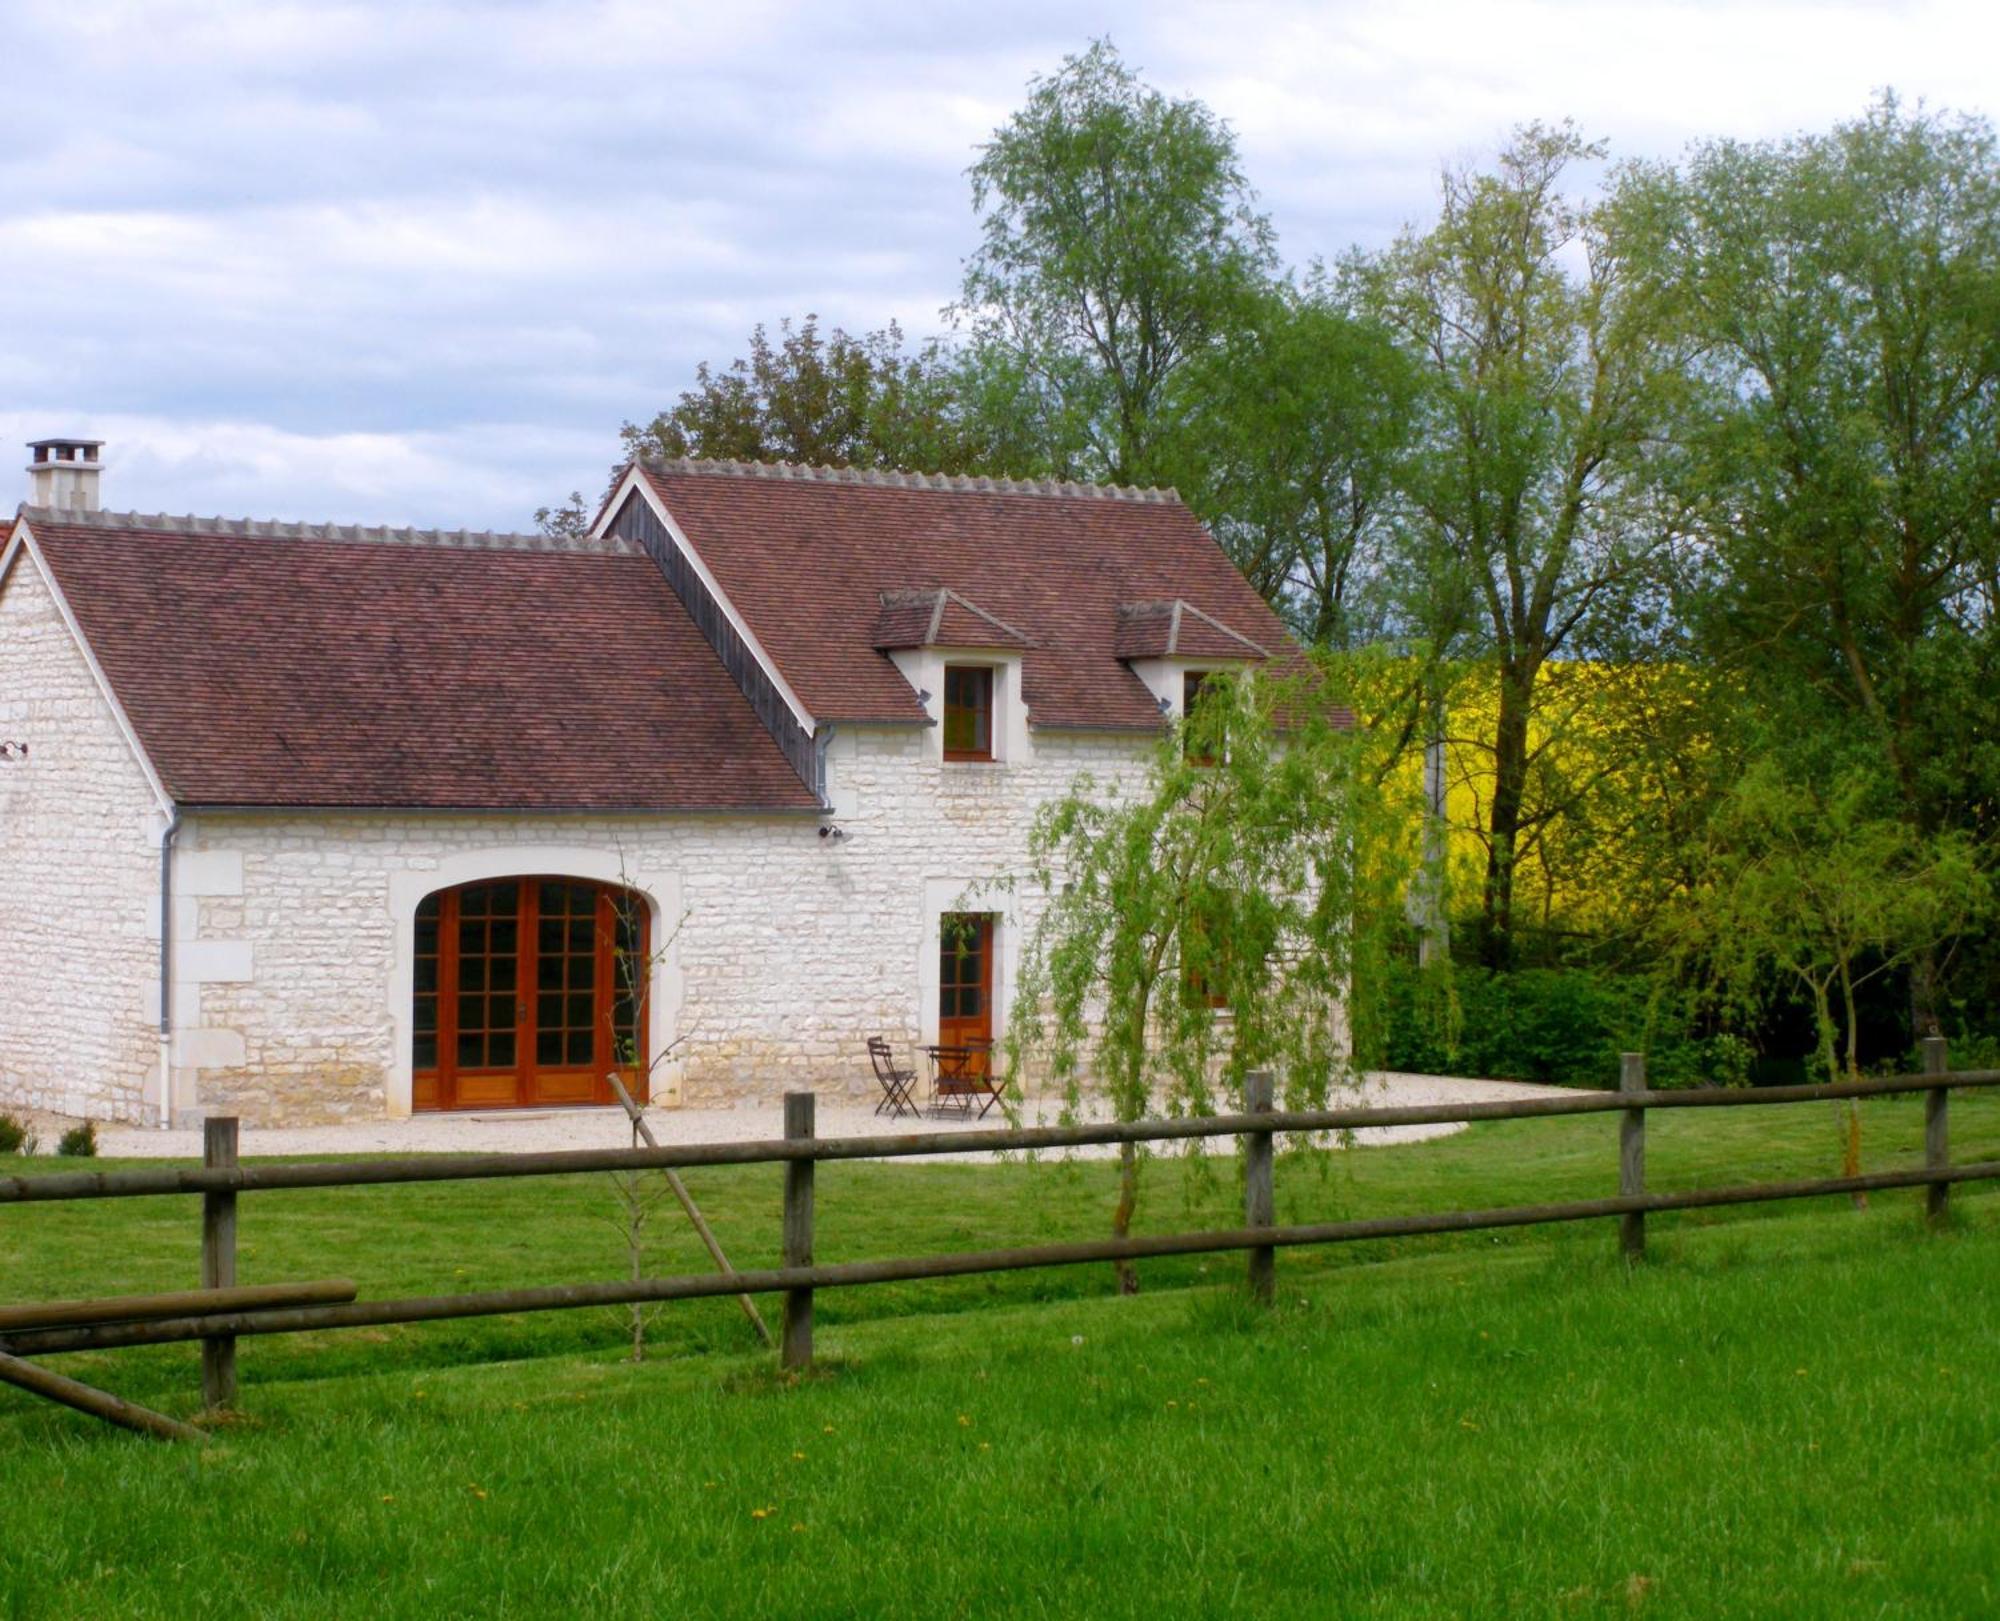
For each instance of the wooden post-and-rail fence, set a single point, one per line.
(221, 1313)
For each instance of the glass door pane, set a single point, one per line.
(489, 947)
(566, 976)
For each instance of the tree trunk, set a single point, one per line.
(1850, 1150)
(1850, 1154)
(1924, 1019)
(1510, 786)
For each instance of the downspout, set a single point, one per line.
(167, 838)
(822, 741)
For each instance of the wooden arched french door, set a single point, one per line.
(528, 993)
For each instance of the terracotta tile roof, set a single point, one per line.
(807, 555)
(939, 618)
(295, 665)
(1164, 630)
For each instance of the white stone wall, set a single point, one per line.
(791, 948)
(79, 872)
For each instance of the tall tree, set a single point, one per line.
(1290, 448)
(1846, 292)
(1119, 240)
(831, 400)
(1549, 374)
(834, 400)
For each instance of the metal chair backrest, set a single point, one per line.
(898, 1096)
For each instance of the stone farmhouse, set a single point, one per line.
(308, 823)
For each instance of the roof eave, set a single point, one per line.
(389, 808)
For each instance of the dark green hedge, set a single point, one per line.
(1560, 1026)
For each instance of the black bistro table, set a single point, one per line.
(961, 1077)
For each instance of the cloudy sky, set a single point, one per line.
(403, 261)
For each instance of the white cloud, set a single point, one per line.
(480, 475)
(299, 259)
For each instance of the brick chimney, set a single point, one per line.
(63, 474)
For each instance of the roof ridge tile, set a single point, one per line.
(889, 478)
(277, 529)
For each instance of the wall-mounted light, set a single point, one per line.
(13, 751)
(828, 830)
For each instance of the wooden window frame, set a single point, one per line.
(1194, 984)
(435, 1087)
(991, 709)
(1192, 681)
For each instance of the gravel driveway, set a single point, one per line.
(537, 1130)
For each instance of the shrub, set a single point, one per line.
(1727, 1060)
(1970, 1049)
(13, 1135)
(1557, 1026)
(79, 1142)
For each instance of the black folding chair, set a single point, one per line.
(896, 1084)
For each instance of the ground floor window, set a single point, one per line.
(529, 992)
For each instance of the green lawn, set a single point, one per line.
(1792, 1410)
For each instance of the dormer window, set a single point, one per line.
(968, 712)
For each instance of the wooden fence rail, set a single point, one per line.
(220, 1324)
(774, 1151)
(850, 1274)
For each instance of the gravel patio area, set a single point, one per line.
(542, 1130)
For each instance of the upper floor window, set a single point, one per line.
(968, 712)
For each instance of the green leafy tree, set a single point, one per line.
(1549, 376)
(571, 518)
(830, 400)
(1290, 449)
(1119, 241)
(1219, 920)
(833, 400)
(1812, 876)
(1844, 290)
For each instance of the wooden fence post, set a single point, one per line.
(1259, 1198)
(1937, 1132)
(218, 1261)
(1632, 1157)
(798, 1334)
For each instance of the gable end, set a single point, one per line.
(638, 524)
(21, 548)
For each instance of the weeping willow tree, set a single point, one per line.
(1227, 915)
